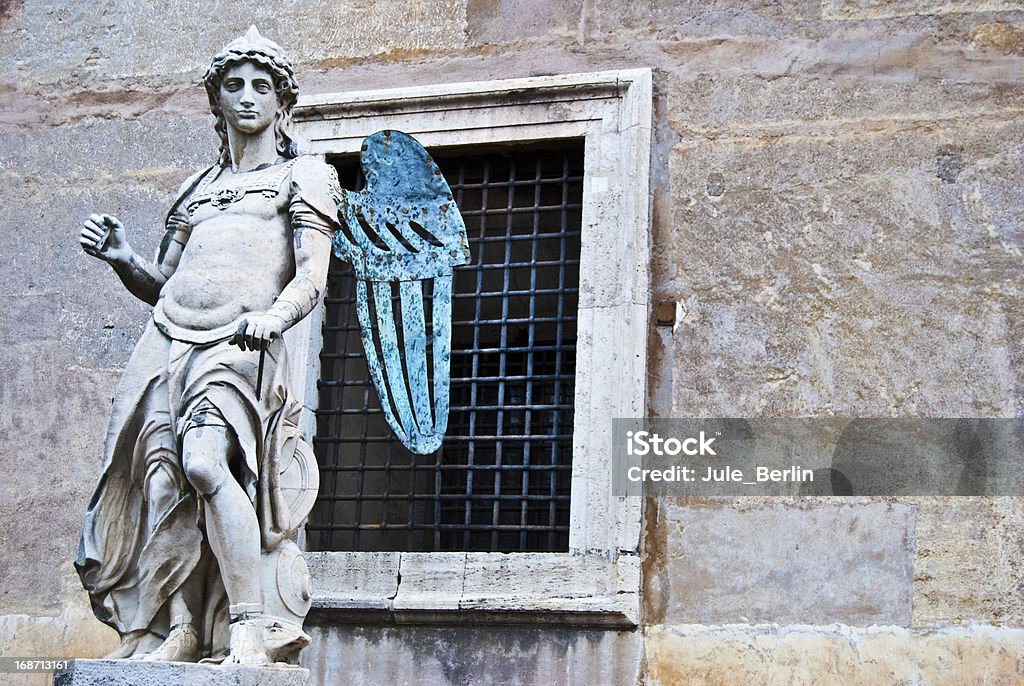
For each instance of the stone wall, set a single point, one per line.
(837, 203)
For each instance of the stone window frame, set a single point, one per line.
(597, 582)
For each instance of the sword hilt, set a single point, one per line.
(259, 373)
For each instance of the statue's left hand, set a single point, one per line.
(257, 333)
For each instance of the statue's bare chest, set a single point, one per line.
(233, 203)
(239, 252)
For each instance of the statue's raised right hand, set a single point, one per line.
(103, 237)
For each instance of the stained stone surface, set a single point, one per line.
(878, 9)
(118, 38)
(969, 560)
(463, 655)
(129, 673)
(760, 560)
(803, 655)
(851, 267)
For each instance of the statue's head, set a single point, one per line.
(269, 56)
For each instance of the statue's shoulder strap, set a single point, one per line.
(186, 190)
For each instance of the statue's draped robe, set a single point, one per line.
(134, 554)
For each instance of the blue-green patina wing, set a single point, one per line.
(400, 232)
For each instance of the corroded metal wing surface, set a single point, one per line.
(404, 236)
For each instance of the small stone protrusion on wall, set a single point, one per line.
(715, 185)
(949, 163)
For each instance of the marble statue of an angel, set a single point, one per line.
(187, 547)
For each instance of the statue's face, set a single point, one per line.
(247, 97)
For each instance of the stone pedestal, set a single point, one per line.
(129, 673)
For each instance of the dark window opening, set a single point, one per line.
(501, 480)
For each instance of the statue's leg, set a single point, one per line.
(208, 446)
(163, 491)
(182, 643)
(163, 487)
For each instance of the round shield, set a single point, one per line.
(293, 581)
(299, 482)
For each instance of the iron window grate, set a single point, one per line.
(501, 480)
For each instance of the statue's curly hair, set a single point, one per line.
(269, 55)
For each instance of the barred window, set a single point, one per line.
(501, 480)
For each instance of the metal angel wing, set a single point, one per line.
(400, 232)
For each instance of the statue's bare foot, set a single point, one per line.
(245, 643)
(182, 645)
(134, 646)
(129, 642)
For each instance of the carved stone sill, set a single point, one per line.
(475, 588)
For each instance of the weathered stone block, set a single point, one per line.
(479, 655)
(755, 110)
(56, 410)
(527, 581)
(343, 579)
(879, 9)
(808, 656)
(128, 673)
(73, 633)
(717, 563)
(505, 21)
(123, 40)
(868, 267)
(430, 581)
(114, 147)
(969, 560)
(668, 20)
